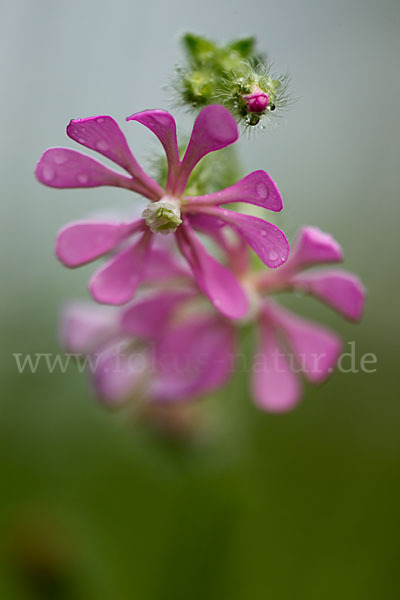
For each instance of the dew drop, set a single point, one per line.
(100, 120)
(59, 159)
(262, 190)
(81, 140)
(83, 178)
(273, 255)
(102, 145)
(263, 233)
(48, 173)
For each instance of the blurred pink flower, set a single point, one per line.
(169, 211)
(124, 347)
(313, 349)
(288, 345)
(171, 347)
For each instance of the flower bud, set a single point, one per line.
(257, 101)
(234, 75)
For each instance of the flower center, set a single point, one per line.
(163, 216)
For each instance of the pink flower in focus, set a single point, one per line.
(169, 211)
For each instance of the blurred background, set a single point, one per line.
(298, 506)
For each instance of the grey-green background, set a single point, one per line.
(297, 506)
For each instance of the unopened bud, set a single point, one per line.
(257, 101)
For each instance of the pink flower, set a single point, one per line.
(125, 364)
(169, 211)
(288, 345)
(126, 348)
(169, 347)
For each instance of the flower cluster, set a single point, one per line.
(179, 278)
(170, 346)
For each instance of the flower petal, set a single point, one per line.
(194, 358)
(214, 129)
(116, 282)
(81, 242)
(211, 226)
(313, 246)
(275, 386)
(316, 348)
(163, 125)
(267, 240)
(149, 317)
(65, 168)
(104, 135)
(118, 372)
(85, 326)
(256, 188)
(341, 290)
(161, 266)
(215, 280)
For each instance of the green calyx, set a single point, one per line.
(226, 74)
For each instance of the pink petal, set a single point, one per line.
(316, 348)
(236, 250)
(267, 240)
(214, 128)
(116, 282)
(65, 168)
(215, 280)
(104, 135)
(275, 387)
(206, 223)
(118, 372)
(211, 226)
(341, 290)
(162, 265)
(81, 242)
(313, 246)
(149, 317)
(163, 125)
(194, 358)
(85, 326)
(257, 188)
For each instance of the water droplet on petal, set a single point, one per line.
(48, 173)
(273, 255)
(263, 233)
(81, 140)
(83, 178)
(102, 145)
(262, 190)
(60, 159)
(100, 120)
